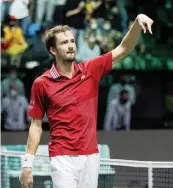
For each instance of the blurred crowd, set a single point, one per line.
(99, 26)
(14, 103)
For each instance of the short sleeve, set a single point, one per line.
(37, 101)
(99, 66)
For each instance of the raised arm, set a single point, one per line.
(128, 43)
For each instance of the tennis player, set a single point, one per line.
(68, 94)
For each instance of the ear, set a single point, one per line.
(53, 51)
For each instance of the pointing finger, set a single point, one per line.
(149, 28)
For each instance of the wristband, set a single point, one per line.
(27, 161)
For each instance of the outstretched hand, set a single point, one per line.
(145, 22)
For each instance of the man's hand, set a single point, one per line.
(81, 5)
(26, 178)
(145, 22)
(130, 40)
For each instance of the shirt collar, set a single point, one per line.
(55, 74)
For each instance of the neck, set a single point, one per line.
(65, 68)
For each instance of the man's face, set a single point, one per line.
(13, 23)
(93, 24)
(65, 46)
(124, 98)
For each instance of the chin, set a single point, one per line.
(70, 59)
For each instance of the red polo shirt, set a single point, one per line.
(70, 105)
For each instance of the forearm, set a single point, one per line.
(72, 12)
(131, 38)
(97, 4)
(34, 137)
(128, 43)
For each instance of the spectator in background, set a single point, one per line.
(121, 4)
(92, 27)
(13, 42)
(58, 13)
(111, 9)
(5, 7)
(164, 24)
(14, 108)
(89, 48)
(112, 13)
(115, 90)
(118, 113)
(107, 42)
(12, 80)
(74, 16)
(45, 8)
(92, 6)
(20, 10)
(98, 11)
(38, 52)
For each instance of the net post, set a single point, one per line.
(150, 175)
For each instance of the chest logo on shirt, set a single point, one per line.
(82, 77)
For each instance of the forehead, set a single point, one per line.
(67, 35)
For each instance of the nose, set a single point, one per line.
(70, 48)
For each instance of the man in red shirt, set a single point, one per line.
(68, 94)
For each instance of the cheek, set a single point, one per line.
(62, 50)
(74, 48)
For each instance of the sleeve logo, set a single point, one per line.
(31, 105)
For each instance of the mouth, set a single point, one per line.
(70, 52)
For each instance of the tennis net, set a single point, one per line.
(114, 173)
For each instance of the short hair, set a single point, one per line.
(123, 91)
(50, 38)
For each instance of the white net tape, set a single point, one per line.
(114, 173)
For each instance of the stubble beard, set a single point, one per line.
(69, 59)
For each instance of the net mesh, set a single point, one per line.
(163, 177)
(113, 173)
